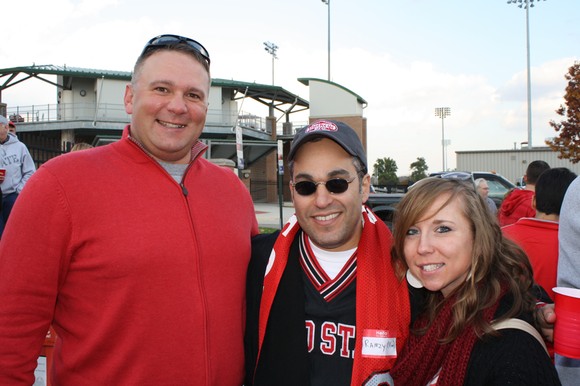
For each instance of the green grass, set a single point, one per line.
(267, 230)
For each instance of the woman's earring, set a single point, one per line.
(413, 281)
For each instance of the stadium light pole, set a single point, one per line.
(327, 2)
(271, 48)
(443, 112)
(527, 4)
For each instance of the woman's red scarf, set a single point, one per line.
(424, 356)
(382, 300)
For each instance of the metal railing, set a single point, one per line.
(111, 112)
(67, 112)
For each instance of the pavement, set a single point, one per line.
(268, 214)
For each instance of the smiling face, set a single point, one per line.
(332, 221)
(438, 248)
(168, 100)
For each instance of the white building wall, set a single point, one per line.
(79, 101)
(511, 164)
(328, 100)
(99, 99)
(110, 90)
(109, 99)
(222, 108)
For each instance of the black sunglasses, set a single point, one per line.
(166, 40)
(334, 186)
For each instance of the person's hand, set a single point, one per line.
(545, 317)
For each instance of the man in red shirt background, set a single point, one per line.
(538, 236)
(518, 202)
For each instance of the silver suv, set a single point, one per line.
(499, 186)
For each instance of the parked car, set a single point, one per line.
(383, 205)
(499, 186)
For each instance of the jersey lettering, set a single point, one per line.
(334, 338)
(347, 333)
(328, 339)
(310, 329)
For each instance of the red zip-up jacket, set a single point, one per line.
(142, 279)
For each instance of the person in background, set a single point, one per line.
(17, 167)
(11, 127)
(324, 285)
(450, 243)
(569, 268)
(518, 202)
(538, 236)
(483, 189)
(81, 146)
(136, 252)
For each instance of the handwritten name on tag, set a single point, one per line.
(378, 344)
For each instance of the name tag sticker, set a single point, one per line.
(378, 344)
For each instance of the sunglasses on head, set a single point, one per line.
(166, 40)
(462, 176)
(334, 186)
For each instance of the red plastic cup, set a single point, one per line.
(567, 326)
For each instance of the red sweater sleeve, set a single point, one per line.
(25, 263)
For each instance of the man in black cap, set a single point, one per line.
(326, 276)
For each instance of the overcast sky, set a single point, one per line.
(405, 58)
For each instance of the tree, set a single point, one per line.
(567, 143)
(385, 169)
(419, 169)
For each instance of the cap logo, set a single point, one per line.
(322, 126)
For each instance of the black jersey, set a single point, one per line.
(330, 308)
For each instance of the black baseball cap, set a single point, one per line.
(339, 132)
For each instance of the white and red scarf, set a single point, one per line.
(382, 299)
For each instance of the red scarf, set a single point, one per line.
(412, 368)
(382, 301)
